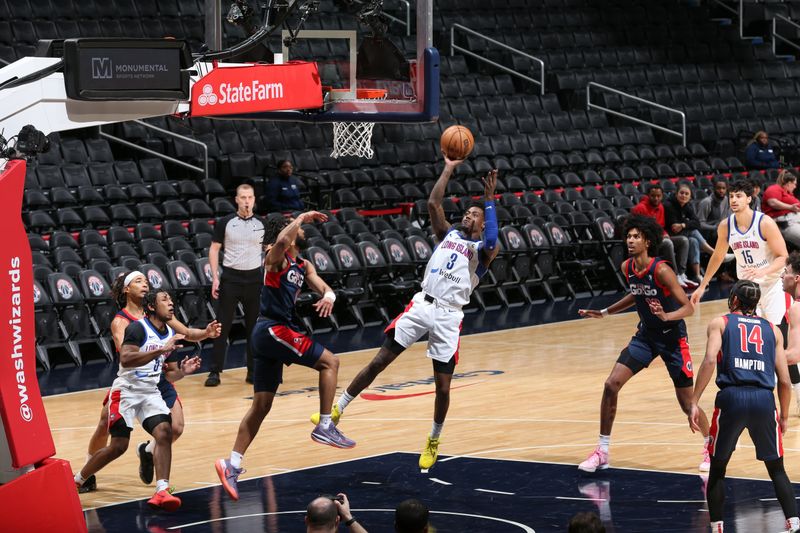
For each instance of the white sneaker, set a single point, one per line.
(690, 283)
(705, 464)
(598, 460)
(683, 281)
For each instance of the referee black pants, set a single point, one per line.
(240, 286)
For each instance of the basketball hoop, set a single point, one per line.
(354, 138)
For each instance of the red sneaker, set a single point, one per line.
(164, 500)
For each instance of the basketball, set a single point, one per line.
(457, 142)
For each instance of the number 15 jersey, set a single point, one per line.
(454, 269)
(751, 248)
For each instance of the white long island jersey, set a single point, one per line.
(751, 249)
(144, 378)
(454, 269)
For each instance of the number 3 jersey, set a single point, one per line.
(748, 352)
(751, 249)
(454, 269)
(646, 289)
(143, 334)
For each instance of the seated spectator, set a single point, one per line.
(780, 203)
(411, 516)
(282, 192)
(675, 249)
(586, 523)
(713, 209)
(681, 220)
(324, 514)
(755, 201)
(759, 154)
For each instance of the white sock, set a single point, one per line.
(796, 387)
(436, 430)
(344, 399)
(325, 421)
(79, 479)
(716, 527)
(794, 523)
(151, 445)
(162, 484)
(605, 440)
(236, 459)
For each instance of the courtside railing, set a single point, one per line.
(407, 21)
(599, 87)
(455, 47)
(193, 168)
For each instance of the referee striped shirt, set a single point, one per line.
(241, 239)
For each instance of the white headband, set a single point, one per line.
(130, 277)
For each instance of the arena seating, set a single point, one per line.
(567, 174)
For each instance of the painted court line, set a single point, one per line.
(370, 483)
(496, 492)
(436, 480)
(580, 499)
(680, 501)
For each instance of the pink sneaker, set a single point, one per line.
(705, 464)
(598, 460)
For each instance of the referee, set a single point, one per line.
(240, 235)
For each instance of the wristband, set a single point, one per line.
(350, 522)
(329, 295)
(604, 312)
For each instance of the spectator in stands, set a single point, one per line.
(713, 209)
(759, 154)
(411, 516)
(283, 190)
(324, 514)
(681, 221)
(780, 203)
(586, 523)
(240, 236)
(675, 251)
(755, 201)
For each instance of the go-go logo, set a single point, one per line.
(207, 97)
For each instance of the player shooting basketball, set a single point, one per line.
(452, 273)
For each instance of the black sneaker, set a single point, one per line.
(146, 469)
(249, 377)
(89, 485)
(213, 379)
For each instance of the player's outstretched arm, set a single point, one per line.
(490, 230)
(276, 253)
(211, 331)
(792, 351)
(713, 346)
(666, 277)
(784, 381)
(189, 365)
(324, 305)
(620, 305)
(777, 245)
(717, 257)
(439, 223)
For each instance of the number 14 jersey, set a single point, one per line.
(747, 356)
(454, 269)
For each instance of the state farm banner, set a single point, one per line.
(27, 433)
(257, 88)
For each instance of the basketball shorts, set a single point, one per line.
(441, 322)
(774, 302)
(740, 408)
(275, 345)
(672, 347)
(167, 389)
(126, 404)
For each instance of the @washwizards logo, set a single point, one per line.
(388, 392)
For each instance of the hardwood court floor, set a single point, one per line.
(529, 393)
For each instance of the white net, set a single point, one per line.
(352, 138)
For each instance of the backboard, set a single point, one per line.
(338, 37)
